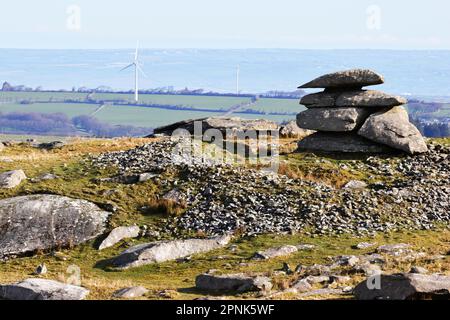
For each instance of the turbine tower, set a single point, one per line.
(237, 79)
(137, 68)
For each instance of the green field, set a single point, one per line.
(195, 102)
(52, 102)
(276, 118)
(270, 105)
(147, 117)
(153, 117)
(129, 115)
(70, 109)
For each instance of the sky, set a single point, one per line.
(314, 24)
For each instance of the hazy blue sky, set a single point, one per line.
(396, 24)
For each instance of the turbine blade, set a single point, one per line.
(128, 66)
(141, 71)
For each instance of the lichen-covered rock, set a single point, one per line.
(232, 283)
(369, 99)
(332, 119)
(40, 222)
(292, 130)
(340, 142)
(302, 285)
(324, 99)
(42, 289)
(118, 234)
(275, 252)
(131, 292)
(355, 78)
(364, 245)
(161, 251)
(355, 184)
(392, 128)
(395, 249)
(355, 98)
(11, 179)
(45, 177)
(404, 286)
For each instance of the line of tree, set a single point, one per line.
(99, 129)
(432, 129)
(169, 90)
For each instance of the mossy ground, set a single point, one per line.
(76, 180)
(179, 277)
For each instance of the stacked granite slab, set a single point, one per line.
(348, 118)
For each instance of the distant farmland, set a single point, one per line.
(118, 109)
(70, 109)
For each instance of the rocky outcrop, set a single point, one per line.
(2, 146)
(422, 184)
(393, 128)
(118, 234)
(232, 283)
(42, 289)
(161, 251)
(11, 179)
(226, 125)
(404, 286)
(344, 107)
(355, 78)
(41, 222)
(340, 142)
(332, 119)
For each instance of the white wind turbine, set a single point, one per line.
(238, 70)
(137, 68)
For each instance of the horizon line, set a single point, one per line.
(232, 49)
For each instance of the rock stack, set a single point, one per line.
(350, 119)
